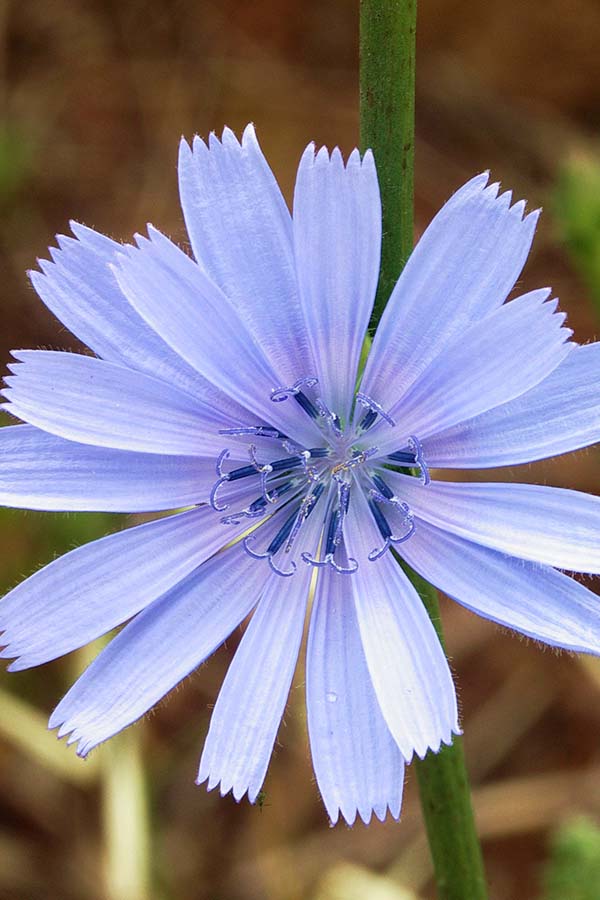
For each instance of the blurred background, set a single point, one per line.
(94, 95)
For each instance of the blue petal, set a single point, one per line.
(155, 651)
(41, 471)
(194, 317)
(561, 414)
(241, 234)
(337, 238)
(544, 524)
(80, 288)
(494, 361)
(533, 599)
(245, 720)
(90, 590)
(406, 662)
(358, 766)
(465, 265)
(96, 402)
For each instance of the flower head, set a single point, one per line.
(229, 386)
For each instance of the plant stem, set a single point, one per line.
(387, 125)
(387, 99)
(446, 799)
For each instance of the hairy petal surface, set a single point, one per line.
(42, 471)
(241, 234)
(245, 720)
(84, 399)
(406, 662)
(533, 599)
(155, 651)
(337, 240)
(560, 414)
(195, 318)
(464, 267)
(96, 587)
(544, 524)
(494, 361)
(358, 766)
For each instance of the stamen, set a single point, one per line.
(275, 545)
(385, 530)
(223, 455)
(332, 542)
(282, 393)
(404, 457)
(256, 431)
(258, 507)
(415, 445)
(306, 507)
(333, 420)
(373, 407)
(307, 405)
(213, 494)
(412, 457)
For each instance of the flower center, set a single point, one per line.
(290, 491)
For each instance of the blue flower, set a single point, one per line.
(226, 387)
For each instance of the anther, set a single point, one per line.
(385, 530)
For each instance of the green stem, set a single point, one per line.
(387, 92)
(446, 799)
(387, 125)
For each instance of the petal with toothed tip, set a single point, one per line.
(79, 287)
(159, 648)
(358, 766)
(96, 402)
(492, 362)
(241, 234)
(244, 722)
(194, 317)
(337, 240)
(560, 414)
(96, 587)
(464, 266)
(408, 668)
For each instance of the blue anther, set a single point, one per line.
(242, 472)
(283, 533)
(368, 420)
(307, 405)
(330, 544)
(386, 532)
(380, 520)
(382, 487)
(404, 457)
